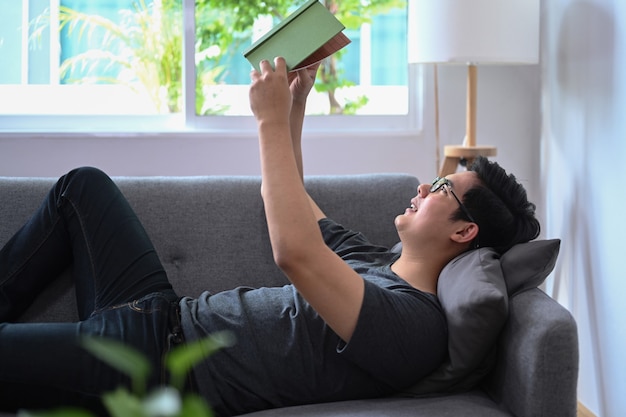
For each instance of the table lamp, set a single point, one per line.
(472, 33)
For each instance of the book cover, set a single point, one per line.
(306, 36)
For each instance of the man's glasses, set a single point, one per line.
(441, 182)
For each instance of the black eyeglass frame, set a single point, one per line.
(441, 182)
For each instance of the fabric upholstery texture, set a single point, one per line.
(536, 344)
(211, 235)
(527, 265)
(474, 403)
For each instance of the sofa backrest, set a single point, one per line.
(210, 232)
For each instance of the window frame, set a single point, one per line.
(187, 122)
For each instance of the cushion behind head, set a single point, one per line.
(473, 290)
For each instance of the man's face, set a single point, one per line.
(428, 217)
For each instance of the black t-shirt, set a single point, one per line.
(285, 354)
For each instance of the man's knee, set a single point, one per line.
(83, 181)
(88, 174)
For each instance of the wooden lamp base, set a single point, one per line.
(463, 155)
(455, 155)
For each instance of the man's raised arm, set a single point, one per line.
(333, 289)
(300, 84)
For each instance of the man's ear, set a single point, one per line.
(466, 233)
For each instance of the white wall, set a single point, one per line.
(584, 173)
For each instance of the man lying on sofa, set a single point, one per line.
(358, 321)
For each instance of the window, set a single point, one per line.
(178, 65)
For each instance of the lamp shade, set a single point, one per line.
(473, 31)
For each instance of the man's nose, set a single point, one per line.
(423, 190)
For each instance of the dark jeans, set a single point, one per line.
(121, 288)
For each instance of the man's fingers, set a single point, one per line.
(280, 64)
(265, 66)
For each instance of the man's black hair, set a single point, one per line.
(500, 207)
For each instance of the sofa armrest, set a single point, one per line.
(537, 367)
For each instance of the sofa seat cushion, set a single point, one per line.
(435, 406)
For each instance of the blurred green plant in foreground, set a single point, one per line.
(166, 401)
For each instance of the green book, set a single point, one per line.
(306, 36)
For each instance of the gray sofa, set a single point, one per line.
(210, 233)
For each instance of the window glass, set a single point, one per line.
(97, 57)
(369, 76)
(125, 58)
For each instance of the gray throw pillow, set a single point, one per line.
(473, 290)
(527, 265)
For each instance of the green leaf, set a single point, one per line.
(195, 406)
(61, 412)
(121, 357)
(180, 360)
(121, 403)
